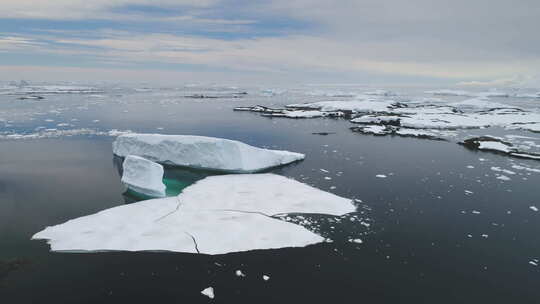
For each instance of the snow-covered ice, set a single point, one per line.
(265, 193)
(143, 176)
(202, 152)
(161, 225)
(367, 105)
(217, 215)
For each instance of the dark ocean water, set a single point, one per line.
(425, 244)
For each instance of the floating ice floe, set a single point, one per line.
(202, 152)
(493, 93)
(331, 93)
(269, 194)
(367, 105)
(479, 103)
(32, 97)
(55, 133)
(534, 95)
(449, 93)
(382, 130)
(217, 215)
(143, 176)
(269, 112)
(380, 93)
(53, 89)
(533, 127)
(218, 95)
(209, 292)
(497, 145)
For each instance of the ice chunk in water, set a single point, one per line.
(143, 176)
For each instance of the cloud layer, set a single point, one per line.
(305, 40)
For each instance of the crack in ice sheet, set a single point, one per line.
(243, 211)
(172, 212)
(194, 241)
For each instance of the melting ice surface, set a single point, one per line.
(202, 152)
(217, 215)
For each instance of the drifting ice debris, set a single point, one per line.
(143, 176)
(239, 273)
(533, 208)
(217, 215)
(266, 278)
(260, 109)
(496, 145)
(391, 120)
(449, 93)
(380, 93)
(533, 127)
(304, 114)
(36, 97)
(481, 103)
(202, 152)
(382, 130)
(209, 292)
(288, 113)
(368, 105)
(28, 89)
(224, 95)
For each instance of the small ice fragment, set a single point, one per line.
(95, 120)
(475, 212)
(470, 167)
(357, 241)
(209, 292)
(534, 208)
(503, 177)
(333, 187)
(323, 170)
(533, 263)
(485, 236)
(143, 176)
(327, 178)
(239, 273)
(266, 278)
(468, 192)
(380, 176)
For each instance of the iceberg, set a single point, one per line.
(143, 176)
(217, 215)
(202, 152)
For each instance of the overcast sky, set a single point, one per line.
(492, 42)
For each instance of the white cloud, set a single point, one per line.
(272, 54)
(490, 40)
(81, 9)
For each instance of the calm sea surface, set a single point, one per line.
(441, 232)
